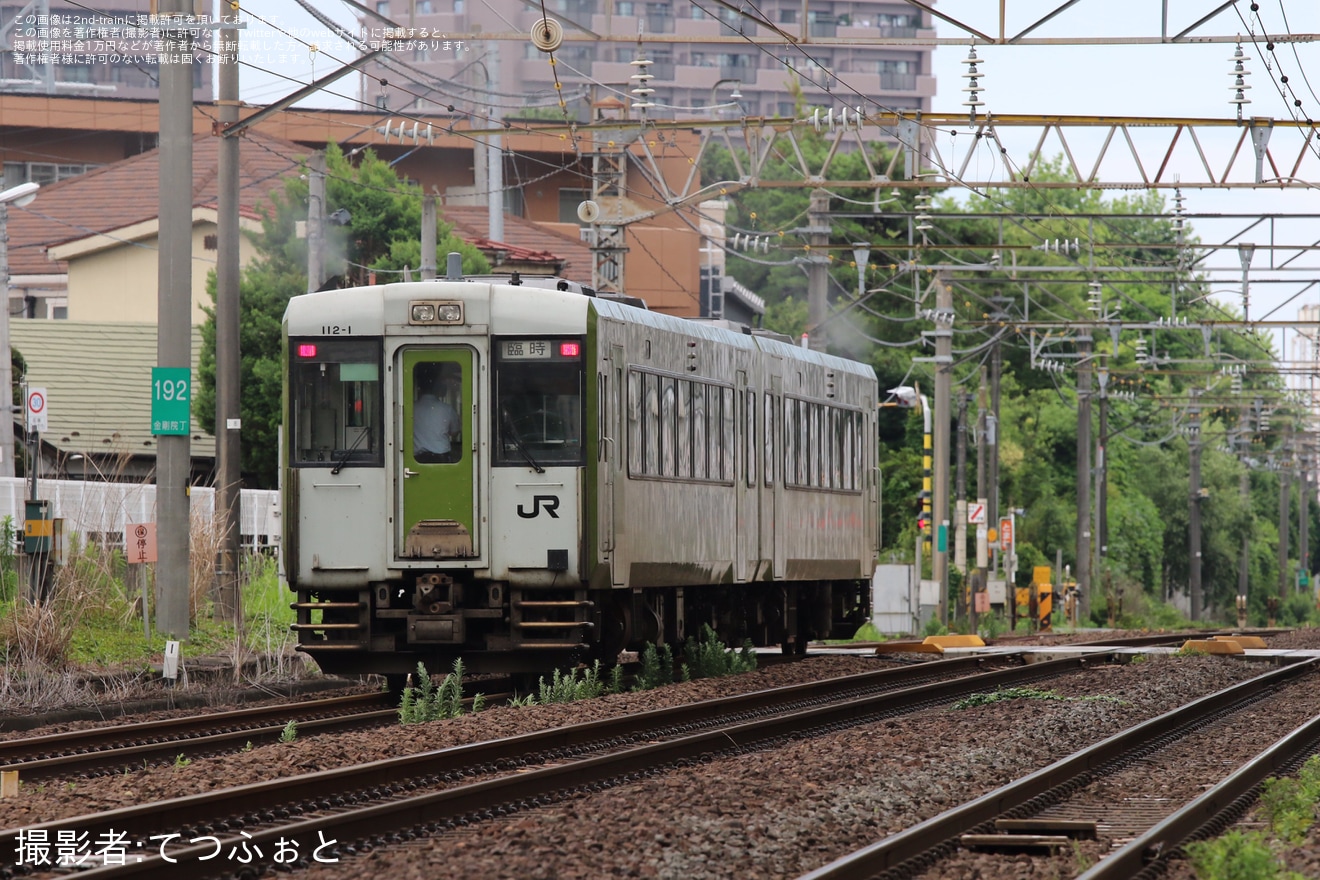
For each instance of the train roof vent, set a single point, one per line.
(635, 301)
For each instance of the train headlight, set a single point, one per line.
(435, 313)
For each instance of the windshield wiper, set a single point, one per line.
(518, 444)
(348, 453)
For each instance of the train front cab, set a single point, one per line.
(480, 554)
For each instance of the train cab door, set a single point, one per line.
(437, 509)
(747, 534)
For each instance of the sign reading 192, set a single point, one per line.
(171, 396)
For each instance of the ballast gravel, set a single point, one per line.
(774, 813)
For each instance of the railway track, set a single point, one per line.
(1045, 810)
(421, 795)
(107, 749)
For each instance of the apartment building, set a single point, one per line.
(103, 50)
(702, 63)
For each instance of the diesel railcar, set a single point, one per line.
(617, 476)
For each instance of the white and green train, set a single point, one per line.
(615, 477)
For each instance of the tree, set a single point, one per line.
(381, 237)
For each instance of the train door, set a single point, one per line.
(438, 504)
(777, 543)
(617, 467)
(744, 482)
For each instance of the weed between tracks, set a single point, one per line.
(1288, 805)
(704, 657)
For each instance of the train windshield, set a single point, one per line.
(335, 392)
(538, 401)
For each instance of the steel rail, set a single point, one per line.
(1212, 810)
(920, 842)
(27, 748)
(391, 777)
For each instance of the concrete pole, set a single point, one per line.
(228, 447)
(174, 322)
(6, 356)
(1285, 508)
(1194, 513)
(943, 368)
(1083, 553)
(1102, 479)
(315, 221)
(495, 165)
(1244, 561)
(960, 482)
(428, 237)
(1303, 513)
(818, 236)
(991, 493)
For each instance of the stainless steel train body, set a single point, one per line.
(619, 476)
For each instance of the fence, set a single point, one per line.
(99, 511)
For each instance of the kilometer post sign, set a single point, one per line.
(171, 400)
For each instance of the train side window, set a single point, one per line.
(683, 453)
(335, 403)
(749, 425)
(769, 434)
(726, 434)
(636, 439)
(701, 428)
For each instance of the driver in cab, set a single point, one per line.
(436, 423)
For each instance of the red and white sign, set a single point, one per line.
(141, 542)
(36, 409)
(976, 514)
(1006, 533)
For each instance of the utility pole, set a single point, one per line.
(228, 416)
(428, 237)
(1102, 478)
(495, 164)
(174, 317)
(1194, 509)
(943, 366)
(960, 502)
(818, 235)
(1303, 513)
(1285, 508)
(315, 221)
(1244, 492)
(991, 491)
(1083, 570)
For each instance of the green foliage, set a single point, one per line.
(657, 668)
(290, 732)
(708, 657)
(935, 628)
(383, 236)
(430, 703)
(568, 687)
(991, 626)
(1027, 693)
(9, 570)
(1236, 855)
(1289, 803)
(181, 761)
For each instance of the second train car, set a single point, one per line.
(614, 476)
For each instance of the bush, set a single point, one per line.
(429, 703)
(708, 657)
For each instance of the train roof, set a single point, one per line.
(717, 333)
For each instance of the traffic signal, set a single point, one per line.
(923, 522)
